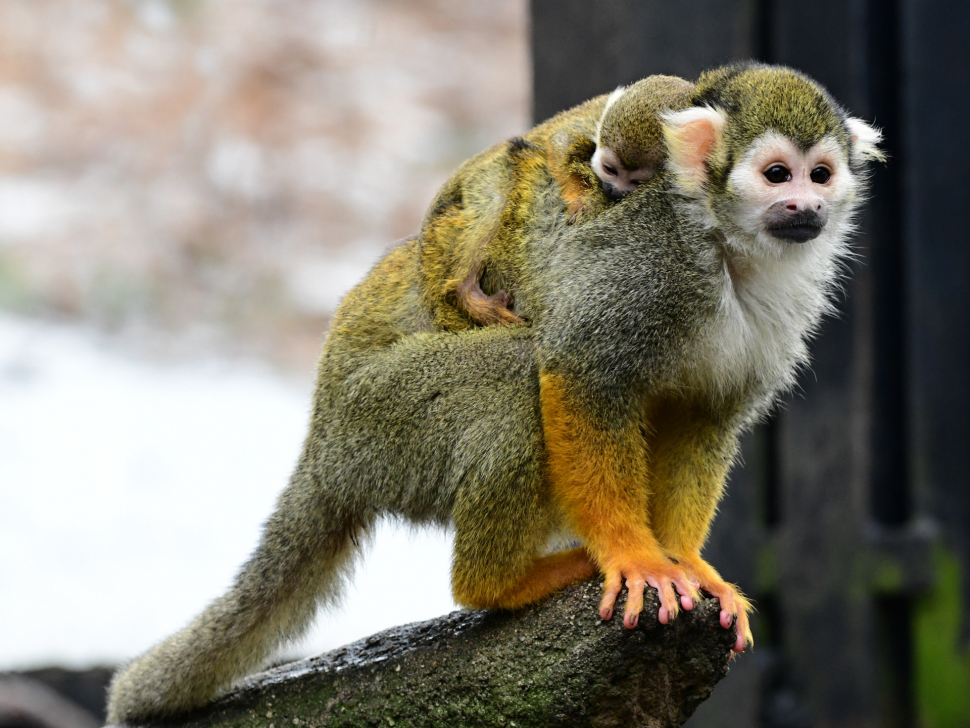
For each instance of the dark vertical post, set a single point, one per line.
(825, 601)
(890, 500)
(582, 48)
(890, 479)
(935, 111)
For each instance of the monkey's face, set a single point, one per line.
(775, 192)
(618, 180)
(789, 195)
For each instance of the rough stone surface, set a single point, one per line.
(551, 665)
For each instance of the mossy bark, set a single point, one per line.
(551, 665)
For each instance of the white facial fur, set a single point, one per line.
(773, 291)
(611, 172)
(757, 196)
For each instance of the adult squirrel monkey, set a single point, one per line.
(661, 325)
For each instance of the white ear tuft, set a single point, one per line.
(865, 141)
(694, 113)
(617, 93)
(692, 136)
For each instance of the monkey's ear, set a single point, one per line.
(692, 135)
(865, 141)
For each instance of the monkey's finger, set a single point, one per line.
(743, 626)
(728, 608)
(742, 632)
(668, 599)
(611, 589)
(671, 598)
(740, 644)
(688, 594)
(634, 601)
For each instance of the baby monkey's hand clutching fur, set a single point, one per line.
(664, 318)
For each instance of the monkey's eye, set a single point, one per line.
(777, 173)
(610, 170)
(820, 175)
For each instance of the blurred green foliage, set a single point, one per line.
(942, 659)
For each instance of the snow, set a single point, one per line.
(131, 491)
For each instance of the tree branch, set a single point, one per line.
(550, 665)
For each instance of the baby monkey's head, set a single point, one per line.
(629, 135)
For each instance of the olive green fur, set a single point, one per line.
(432, 427)
(759, 98)
(422, 415)
(632, 126)
(480, 218)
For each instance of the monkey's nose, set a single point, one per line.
(796, 207)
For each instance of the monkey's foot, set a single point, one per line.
(576, 209)
(735, 607)
(484, 309)
(638, 571)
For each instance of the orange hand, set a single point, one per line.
(734, 605)
(638, 571)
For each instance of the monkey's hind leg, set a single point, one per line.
(306, 546)
(503, 513)
(503, 522)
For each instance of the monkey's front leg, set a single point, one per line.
(692, 451)
(598, 474)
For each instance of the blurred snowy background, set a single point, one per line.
(187, 187)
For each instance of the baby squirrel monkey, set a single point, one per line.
(661, 326)
(597, 153)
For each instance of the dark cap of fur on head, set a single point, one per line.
(759, 98)
(631, 124)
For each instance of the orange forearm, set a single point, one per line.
(599, 478)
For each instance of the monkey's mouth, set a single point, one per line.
(799, 228)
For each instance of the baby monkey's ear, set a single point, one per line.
(865, 141)
(692, 135)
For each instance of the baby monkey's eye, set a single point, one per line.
(777, 173)
(820, 175)
(610, 170)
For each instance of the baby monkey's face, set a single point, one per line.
(789, 193)
(618, 180)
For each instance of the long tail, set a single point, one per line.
(306, 549)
